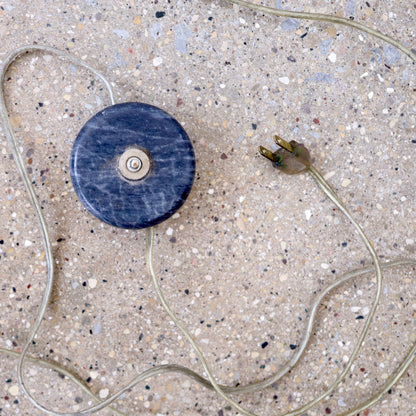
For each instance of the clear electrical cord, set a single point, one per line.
(209, 382)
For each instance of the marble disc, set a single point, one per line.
(108, 140)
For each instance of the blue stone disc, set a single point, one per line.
(95, 169)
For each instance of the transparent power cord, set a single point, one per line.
(291, 158)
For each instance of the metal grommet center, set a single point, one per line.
(134, 164)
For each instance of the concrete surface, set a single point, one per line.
(245, 256)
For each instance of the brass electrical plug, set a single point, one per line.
(292, 158)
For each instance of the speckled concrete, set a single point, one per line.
(244, 257)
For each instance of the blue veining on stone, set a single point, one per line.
(350, 8)
(289, 24)
(122, 33)
(325, 45)
(182, 34)
(156, 30)
(378, 55)
(392, 54)
(94, 165)
(321, 77)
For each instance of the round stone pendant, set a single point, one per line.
(132, 165)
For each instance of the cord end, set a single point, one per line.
(292, 157)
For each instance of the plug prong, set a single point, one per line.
(266, 153)
(283, 143)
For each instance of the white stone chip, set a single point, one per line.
(283, 277)
(14, 390)
(345, 182)
(157, 61)
(329, 175)
(103, 393)
(332, 57)
(284, 80)
(92, 283)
